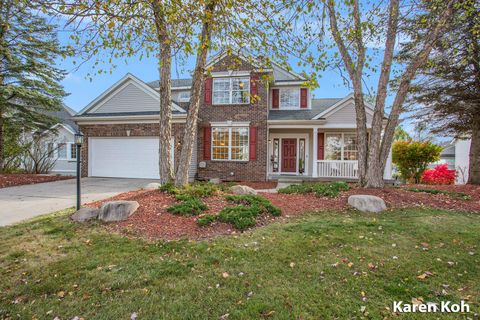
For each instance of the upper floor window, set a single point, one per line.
(289, 98)
(184, 96)
(231, 90)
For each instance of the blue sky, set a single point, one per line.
(82, 90)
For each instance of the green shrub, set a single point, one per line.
(200, 189)
(188, 207)
(244, 215)
(168, 187)
(251, 200)
(413, 157)
(455, 195)
(206, 220)
(321, 189)
(196, 189)
(241, 217)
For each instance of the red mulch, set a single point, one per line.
(18, 179)
(153, 221)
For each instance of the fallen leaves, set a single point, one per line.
(425, 275)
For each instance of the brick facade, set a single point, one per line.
(120, 130)
(256, 114)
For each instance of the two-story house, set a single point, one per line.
(255, 123)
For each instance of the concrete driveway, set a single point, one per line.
(24, 202)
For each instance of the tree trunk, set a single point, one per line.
(2, 144)
(474, 167)
(165, 134)
(198, 79)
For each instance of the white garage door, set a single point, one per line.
(124, 157)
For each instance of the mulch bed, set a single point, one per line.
(152, 221)
(259, 185)
(18, 179)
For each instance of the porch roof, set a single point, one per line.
(318, 106)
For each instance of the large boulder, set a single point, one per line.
(367, 203)
(238, 189)
(152, 186)
(117, 210)
(85, 214)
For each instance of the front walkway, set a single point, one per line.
(28, 201)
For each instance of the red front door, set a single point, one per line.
(289, 155)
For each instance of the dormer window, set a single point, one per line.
(184, 96)
(289, 98)
(231, 90)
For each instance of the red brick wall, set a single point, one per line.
(120, 130)
(256, 113)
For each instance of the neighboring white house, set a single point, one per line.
(62, 144)
(462, 159)
(457, 155)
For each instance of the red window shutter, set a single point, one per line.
(320, 146)
(207, 143)
(208, 91)
(253, 143)
(253, 88)
(303, 98)
(275, 98)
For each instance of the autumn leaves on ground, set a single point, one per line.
(333, 264)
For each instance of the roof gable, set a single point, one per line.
(347, 101)
(129, 94)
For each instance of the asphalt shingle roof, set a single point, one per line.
(318, 106)
(175, 83)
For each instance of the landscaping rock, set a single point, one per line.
(117, 210)
(238, 189)
(152, 186)
(215, 180)
(367, 203)
(85, 214)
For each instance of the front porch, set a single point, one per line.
(318, 154)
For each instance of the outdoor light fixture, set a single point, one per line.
(78, 142)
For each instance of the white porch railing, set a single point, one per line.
(337, 168)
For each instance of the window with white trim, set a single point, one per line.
(230, 143)
(184, 96)
(289, 98)
(231, 90)
(73, 151)
(341, 146)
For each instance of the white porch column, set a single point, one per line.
(387, 174)
(315, 153)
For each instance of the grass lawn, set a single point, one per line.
(324, 265)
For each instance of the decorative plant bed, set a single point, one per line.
(19, 179)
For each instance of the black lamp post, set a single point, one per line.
(78, 143)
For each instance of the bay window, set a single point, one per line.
(230, 143)
(341, 146)
(289, 98)
(231, 90)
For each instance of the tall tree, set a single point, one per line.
(115, 28)
(351, 38)
(204, 45)
(29, 78)
(449, 87)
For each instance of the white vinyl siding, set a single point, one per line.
(346, 115)
(129, 98)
